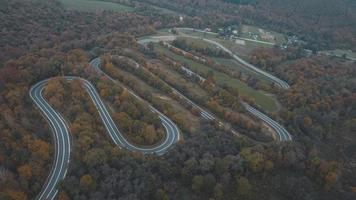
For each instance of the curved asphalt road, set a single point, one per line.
(283, 134)
(62, 141)
(62, 138)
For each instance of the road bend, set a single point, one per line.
(61, 135)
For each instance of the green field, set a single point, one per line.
(266, 102)
(198, 43)
(348, 54)
(234, 65)
(197, 33)
(93, 5)
(165, 10)
(247, 30)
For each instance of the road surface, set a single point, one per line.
(283, 134)
(62, 138)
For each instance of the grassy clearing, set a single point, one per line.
(164, 31)
(165, 10)
(197, 33)
(262, 34)
(266, 102)
(234, 65)
(199, 43)
(93, 5)
(348, 54)
(242, 50)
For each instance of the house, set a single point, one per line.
(181, 18)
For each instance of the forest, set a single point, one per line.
(324, 24)
(41, 39)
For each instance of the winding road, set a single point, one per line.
(283, 134)
(62, 138)
(61, 131)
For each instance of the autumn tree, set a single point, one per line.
(25, 171)
(87, 182)
(243, 187)
(198, 183)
